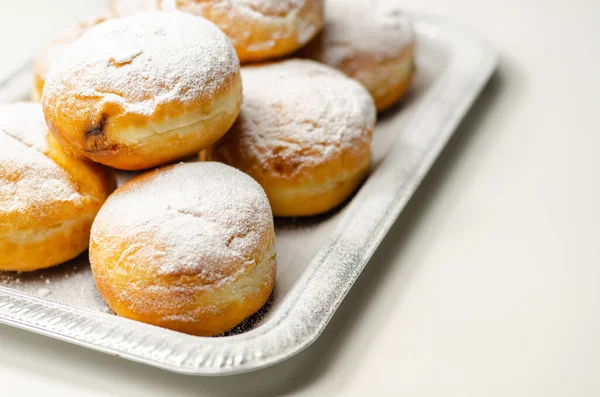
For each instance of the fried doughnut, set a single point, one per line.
(259, 29)
(48, 200)
(145, 90)
(53, 51)
(304, 134)
(188, 247)
(371, 41)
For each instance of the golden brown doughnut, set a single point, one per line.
(371, 41)
(259, 29)
(48, 199)
(304, 134)
(53, 51)
(144, 90)
(188, 247)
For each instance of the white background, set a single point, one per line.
(488, 284)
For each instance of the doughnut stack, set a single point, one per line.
(219, 149)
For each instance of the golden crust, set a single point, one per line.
(313, 191)
(38, 88)
(92, 181)
(181, 302)
(108, 145)
(34, 233)
(319, 195)
(108, 126)
(304, 134)
(279, 31)
(40, 248)
(259, 31)
(372, 42)
(205, 299)
(388, 79)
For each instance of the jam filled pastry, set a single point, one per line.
(304, 133)
(259, 29)
(48, 199)
(188, 247)
(145, 90)
(371, 41)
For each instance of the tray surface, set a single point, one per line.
(318, 258)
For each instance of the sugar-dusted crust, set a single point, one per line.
(198, 256)
(304, 134)
(259, 29)
(48, 199)
(145, 90)
(373, 42)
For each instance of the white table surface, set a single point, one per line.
(489, 283)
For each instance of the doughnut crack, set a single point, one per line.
(97, 129)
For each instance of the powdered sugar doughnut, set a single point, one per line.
(304, 134)
(47, 199)
(53, 51)
(371, 41)
(145, 90)
(259, 29)
(189, 247)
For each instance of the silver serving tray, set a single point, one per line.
(319, 259)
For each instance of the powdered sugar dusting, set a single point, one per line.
(28, 178)
(302, 112)
(203, 219)
(223, 12)
(143, 61)
(24, 121)
(284, 14)
(378, 28)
